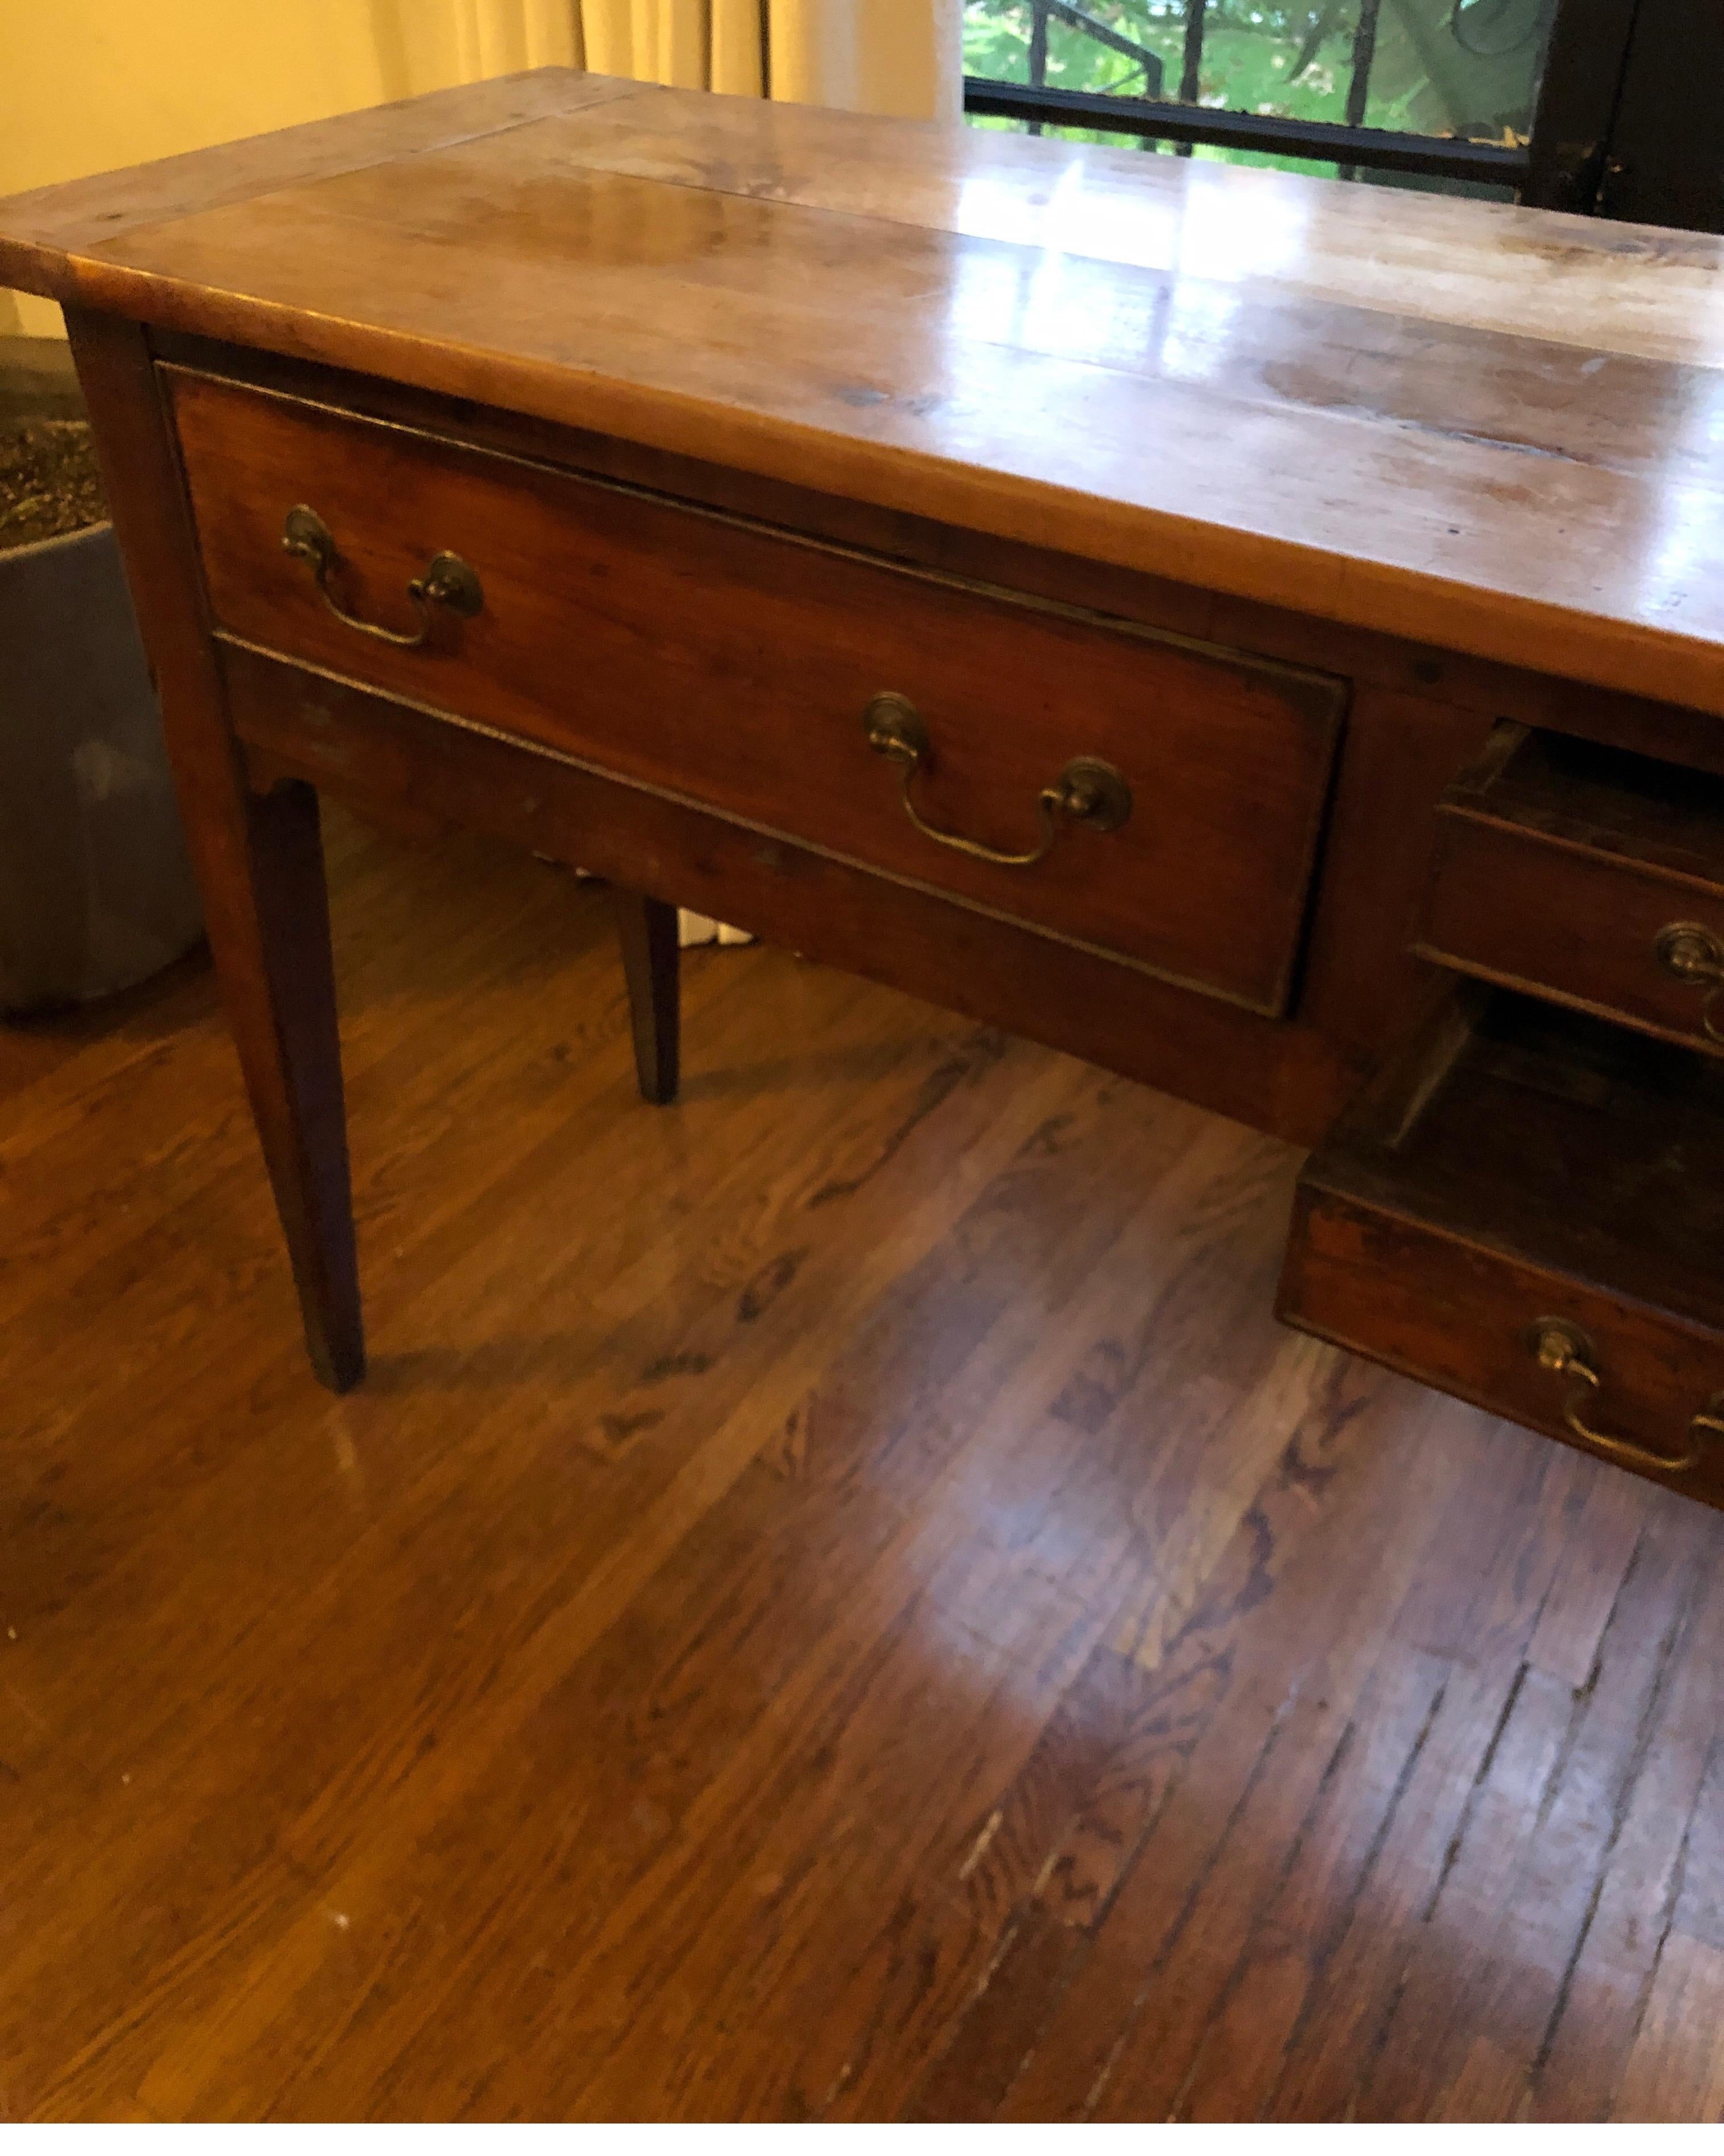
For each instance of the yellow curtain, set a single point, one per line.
(428, 44)
(869, 55)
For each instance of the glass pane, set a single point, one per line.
(1423, 67)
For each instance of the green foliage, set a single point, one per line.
(1245, 63)
(1437, 69)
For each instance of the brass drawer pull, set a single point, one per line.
(1694, 956)
(447, 581)
(1088, 791)
(1565, 1351)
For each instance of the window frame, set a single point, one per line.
(1564, 165)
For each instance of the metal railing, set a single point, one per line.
(1184, 122)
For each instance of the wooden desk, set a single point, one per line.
(1208, 620)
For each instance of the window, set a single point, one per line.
(1497, 97)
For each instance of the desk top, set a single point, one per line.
(1496, 429)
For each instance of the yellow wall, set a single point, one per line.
(86, 85)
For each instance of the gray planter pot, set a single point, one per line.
(95, 892)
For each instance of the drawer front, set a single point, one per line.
(1529, 1215)
(1587, 875)
(1468, 1319)
(732, 664)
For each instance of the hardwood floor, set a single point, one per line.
(836, 1599)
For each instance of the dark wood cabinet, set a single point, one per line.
(1166, 611)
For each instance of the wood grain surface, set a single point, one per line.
(1489, 428)
(1558, 867)
(258, 863)
(375, 751)
(1519, 1165)
(733, 665)
(837, 1601)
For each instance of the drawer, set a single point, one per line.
(1528, 1211)
(1172, 794)
(1587, 874)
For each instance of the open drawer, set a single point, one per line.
(1588, 875)
(1527, 1210)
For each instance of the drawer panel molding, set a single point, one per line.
(1527, 1211)
(1113, 786)
(1589, 875)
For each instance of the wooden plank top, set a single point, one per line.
(1494, 429)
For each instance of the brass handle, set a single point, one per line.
(1565, 1351)
(1695, 956)
(447, 582)
(1088, 791)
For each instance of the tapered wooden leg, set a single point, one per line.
(283, 1015)
(258, 859)
(651, 962)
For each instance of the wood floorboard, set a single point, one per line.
(836, 1600)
